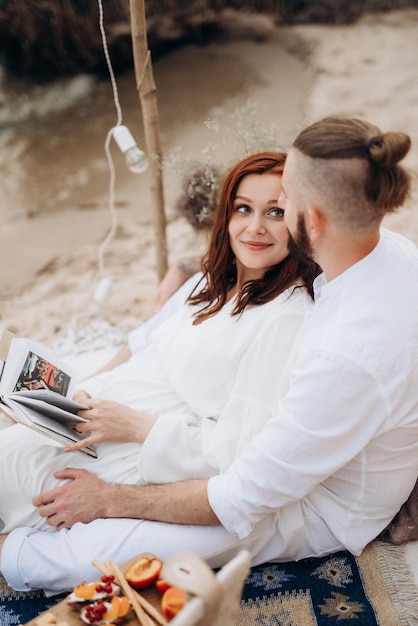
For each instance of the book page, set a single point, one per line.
(45, 408)
(52, 397)
(61, 432)
(30, 366)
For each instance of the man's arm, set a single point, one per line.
(87, 497)
(122, 356)
(175, 277)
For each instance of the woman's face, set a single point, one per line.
(257, 233)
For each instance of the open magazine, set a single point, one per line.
(35, 390)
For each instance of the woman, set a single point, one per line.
(186, 405)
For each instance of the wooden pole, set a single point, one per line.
(148, 99)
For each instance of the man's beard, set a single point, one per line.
(299, 245)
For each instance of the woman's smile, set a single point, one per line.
(256, 246)
(257, 232)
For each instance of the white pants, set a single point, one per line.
(42, 558)
(57, 561)
(28, 461)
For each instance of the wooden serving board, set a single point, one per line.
(63, 612)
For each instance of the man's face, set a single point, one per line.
(287, 199)
(299, 243)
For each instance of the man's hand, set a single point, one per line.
(81, 500)
(87, 498)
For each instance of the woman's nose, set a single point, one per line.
(256, 225)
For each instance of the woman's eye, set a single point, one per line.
(242, 208)
(277, 212)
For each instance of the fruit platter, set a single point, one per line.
(134, 593)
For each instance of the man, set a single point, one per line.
(333, 467)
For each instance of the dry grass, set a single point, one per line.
(49, 38)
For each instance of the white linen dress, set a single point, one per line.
(331, 467)
(210, 385)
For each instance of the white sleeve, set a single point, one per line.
(321, 424)
(186, 446)
(139, 338)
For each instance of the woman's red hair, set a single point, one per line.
(219, 269)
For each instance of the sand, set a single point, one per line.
(296, 75)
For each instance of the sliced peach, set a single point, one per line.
(172, 602)
(124, 606)
(85, 590)
(113, 611)
(162, 585)
(144, 572)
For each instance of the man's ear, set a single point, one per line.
(316, 222)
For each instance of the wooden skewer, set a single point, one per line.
(152, 611)
(110, 567)
(143, 619)
(102, 568)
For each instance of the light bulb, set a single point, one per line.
(135, 159)
(102, 290)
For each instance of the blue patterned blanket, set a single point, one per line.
(375, 589)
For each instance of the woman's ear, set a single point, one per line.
(316, 222)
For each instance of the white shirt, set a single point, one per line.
(340, 456)
(208, 383)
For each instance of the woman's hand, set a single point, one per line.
(81, 397)
(111, 421)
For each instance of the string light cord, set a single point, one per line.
(109, 64)
(111, 201)
(98, 333)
